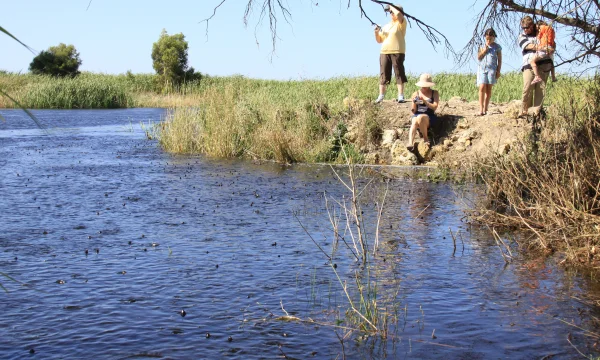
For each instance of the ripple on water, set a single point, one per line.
(231, 249)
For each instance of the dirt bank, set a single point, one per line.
(462, 134)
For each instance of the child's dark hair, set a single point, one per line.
(490, 32)
(542, 22)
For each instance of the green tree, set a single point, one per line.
(61, 60)
(170, 58)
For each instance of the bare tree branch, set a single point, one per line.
(430, 32)
(578, 18)
(212, 16)
(271, 9)
(569, 21)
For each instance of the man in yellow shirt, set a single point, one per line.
(393, 48)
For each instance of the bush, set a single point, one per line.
(62, 60)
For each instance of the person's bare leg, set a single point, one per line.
(537, 78)
(481, 98)
(423, 125)
(488, 95)
(412, 132)
(400, 89)
(382, 89)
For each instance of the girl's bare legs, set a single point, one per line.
(420, 122)
(534, 67)
(482, 92)
(488, 95)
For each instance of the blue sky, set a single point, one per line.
(324, 38)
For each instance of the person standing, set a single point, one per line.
(490, 63)
(533, 94)
(393, 48)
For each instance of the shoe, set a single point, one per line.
(401, 99)
(379, 99)
(536, 80)
(410, 147)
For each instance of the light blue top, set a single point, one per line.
(490, 59)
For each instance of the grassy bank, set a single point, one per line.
(143, 90)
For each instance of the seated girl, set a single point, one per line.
(424, 103)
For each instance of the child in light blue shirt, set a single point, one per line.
(490, 63)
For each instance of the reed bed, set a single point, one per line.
(229, 121)
(90, 90)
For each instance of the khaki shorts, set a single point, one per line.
(386, 63)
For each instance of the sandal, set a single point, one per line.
(479, 114)
(410, 148)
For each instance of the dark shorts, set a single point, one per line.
(433, 119)
(386, 63)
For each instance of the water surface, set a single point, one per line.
(112, 238)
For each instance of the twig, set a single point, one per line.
(376, 244)
(453, 239)
(419, 214)
(310, 236)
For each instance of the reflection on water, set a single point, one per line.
(112, 238)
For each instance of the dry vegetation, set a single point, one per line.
(549, 184)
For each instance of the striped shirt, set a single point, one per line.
(523, 40)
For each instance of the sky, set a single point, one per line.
(323, 39)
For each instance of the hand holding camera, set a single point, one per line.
(417, 100)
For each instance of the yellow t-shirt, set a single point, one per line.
(393, 38)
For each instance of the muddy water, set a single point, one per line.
(110, 239)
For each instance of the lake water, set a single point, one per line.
(110, 238)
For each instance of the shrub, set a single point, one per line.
(62, 60)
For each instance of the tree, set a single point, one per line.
(61, 60)
(170, 58)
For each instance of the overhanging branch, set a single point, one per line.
(568, 21)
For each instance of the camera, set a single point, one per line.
(417, 100)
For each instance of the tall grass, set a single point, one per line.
(143, 90)
(85, 91)
(230, 121)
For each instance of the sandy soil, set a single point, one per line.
(462, 133)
